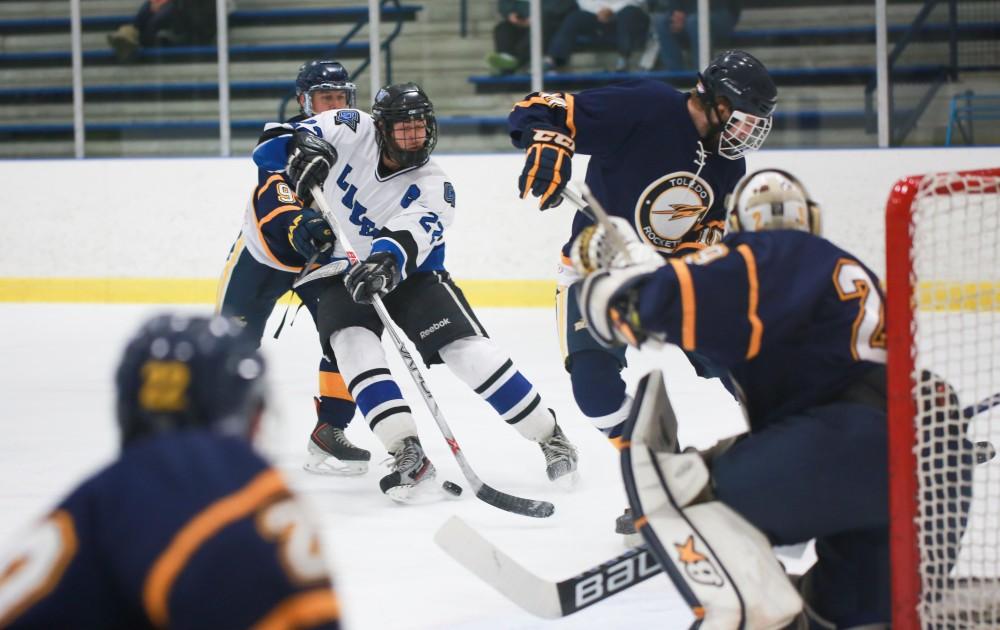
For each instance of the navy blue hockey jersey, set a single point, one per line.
(647, 161)
(792, 316)
(188, 530)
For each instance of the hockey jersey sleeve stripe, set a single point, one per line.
(688, 308)
(277, 177)
(229, 509)
(263, 240)
(689, 246)
(68, 544)
(332, 385)
(302, 610)
(753, 293)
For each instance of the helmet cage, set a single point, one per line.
(341, 86)
(742, 134)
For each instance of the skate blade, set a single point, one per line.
(427, 491)
(567, 482)
(335, 467)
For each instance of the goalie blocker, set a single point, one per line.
(722, 565)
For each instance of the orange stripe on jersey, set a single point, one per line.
(528, 102)
(753, 291)
(303, 610)
(263, 241)
(688, 308)
(332, 385)
(267, 184)
(170, 563)
(41, 585)
(696, 246)
(570, 124)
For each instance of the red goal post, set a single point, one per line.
(943, 315)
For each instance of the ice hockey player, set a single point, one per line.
(661, 159)
(280, 235)
(799, 324)
(395, 202)
(189, 527)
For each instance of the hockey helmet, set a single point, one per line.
(741, 79)
(400, 104)
(772, 199)
(181, 372)
(318, 75)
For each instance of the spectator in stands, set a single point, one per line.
(676, 26)
(165, 23)
(512, 35)
(623, 23)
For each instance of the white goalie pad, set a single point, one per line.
(722, 565)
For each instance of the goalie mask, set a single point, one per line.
(772, 199)
(745, 83)
(320, 76)
(181, 372)
(407, 128)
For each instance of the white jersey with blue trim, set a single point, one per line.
(405, 212)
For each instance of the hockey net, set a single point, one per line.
(943, 316)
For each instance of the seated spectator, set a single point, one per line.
(623, 23)
(512, 35)
(165, 23)
(676, 26)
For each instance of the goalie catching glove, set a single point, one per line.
(309, 233)
(547, 167)
(310, 159)
(376, 275)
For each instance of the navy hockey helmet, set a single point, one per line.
(745, 83)
(181, 372)
(321, 74)
(402, 103)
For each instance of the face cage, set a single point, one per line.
(743, 133)
(349, 88)
(407, 158)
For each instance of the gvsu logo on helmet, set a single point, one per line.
(670, 207)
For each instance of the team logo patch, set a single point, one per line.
(670, 207)
(696, 565)
(449, 194)
(349, 117)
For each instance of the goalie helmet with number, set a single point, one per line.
(772, 199)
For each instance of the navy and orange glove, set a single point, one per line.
(309, 232)
(547, 167)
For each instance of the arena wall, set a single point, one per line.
(158, 230)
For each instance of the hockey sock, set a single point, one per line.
(490, 372)
(335, 405)
(599, 389)
(366, 372)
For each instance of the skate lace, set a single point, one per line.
(405, 459)
(557, 447)
(339, 436)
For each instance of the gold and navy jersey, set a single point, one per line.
(647, 165)
(188, 530)
(794, 318)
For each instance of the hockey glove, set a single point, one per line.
(609, 303)
(547, 167)
(309, 233)
(377, 275)
(595, 248)
(310, 159)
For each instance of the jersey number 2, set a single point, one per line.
(868, 332)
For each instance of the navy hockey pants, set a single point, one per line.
(821, 474)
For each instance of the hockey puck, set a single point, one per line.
(452, 488)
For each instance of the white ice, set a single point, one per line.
(58, 426)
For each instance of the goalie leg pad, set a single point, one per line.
(722, 565)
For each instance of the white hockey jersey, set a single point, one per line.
(405, 213)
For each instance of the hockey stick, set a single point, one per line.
(484, 492)
(983, 405)
(535, 594)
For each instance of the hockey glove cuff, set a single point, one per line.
(309, 233)
(310, 159)
(548, 167)
(609, 304)
(377, 275)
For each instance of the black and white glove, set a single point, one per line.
(376, 275)
(548, 167)
(609, 303)
(309, 233)
(310, 159)
(596, 248)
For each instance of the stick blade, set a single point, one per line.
(517, 505)
(467, 547)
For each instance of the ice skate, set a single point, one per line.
(625, 526)
(331, 453)
(412, 474)
(560, 459)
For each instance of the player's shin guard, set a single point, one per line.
(366, 371)
(722, 565)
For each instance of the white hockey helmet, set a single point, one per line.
(772, 199)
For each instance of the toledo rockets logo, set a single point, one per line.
(670, 207)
